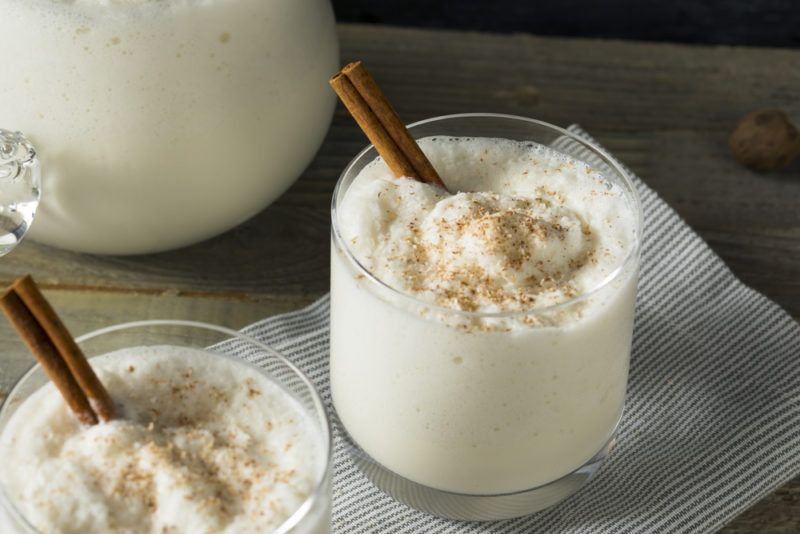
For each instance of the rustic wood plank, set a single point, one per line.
(280, 253)
(778, 513)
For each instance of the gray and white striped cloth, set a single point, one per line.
(712, 420)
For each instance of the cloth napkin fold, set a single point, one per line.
(712, 419)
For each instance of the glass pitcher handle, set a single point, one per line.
(20, 188)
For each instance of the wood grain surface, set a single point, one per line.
(664, 110)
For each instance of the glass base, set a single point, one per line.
(468, 507)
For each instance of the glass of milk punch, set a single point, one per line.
(238, 440)
(481, 336)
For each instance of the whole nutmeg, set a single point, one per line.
(765, 140)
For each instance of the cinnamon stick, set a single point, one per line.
(55, 349)
(377, 118)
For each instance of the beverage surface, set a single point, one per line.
(527, 227)
(205, 444)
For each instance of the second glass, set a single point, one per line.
(172, 337)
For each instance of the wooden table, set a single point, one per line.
(665, 110)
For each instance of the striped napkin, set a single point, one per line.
(712, 420)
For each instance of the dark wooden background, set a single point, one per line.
(744, 22)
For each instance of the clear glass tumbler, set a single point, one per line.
(480, 424)
(313, 516)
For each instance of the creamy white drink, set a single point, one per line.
(203, 444)
(163, 122)
(483, 346)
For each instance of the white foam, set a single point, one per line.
(527, 227)
(206, 444)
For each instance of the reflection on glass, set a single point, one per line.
(20, 188)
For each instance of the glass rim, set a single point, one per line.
(631, 257)
(320, 484)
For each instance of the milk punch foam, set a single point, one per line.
(164, 122)
(482, 347)
(203, 444)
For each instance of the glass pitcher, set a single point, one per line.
(164, 122)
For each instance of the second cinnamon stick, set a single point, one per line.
(48, 356)
(72, 355)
